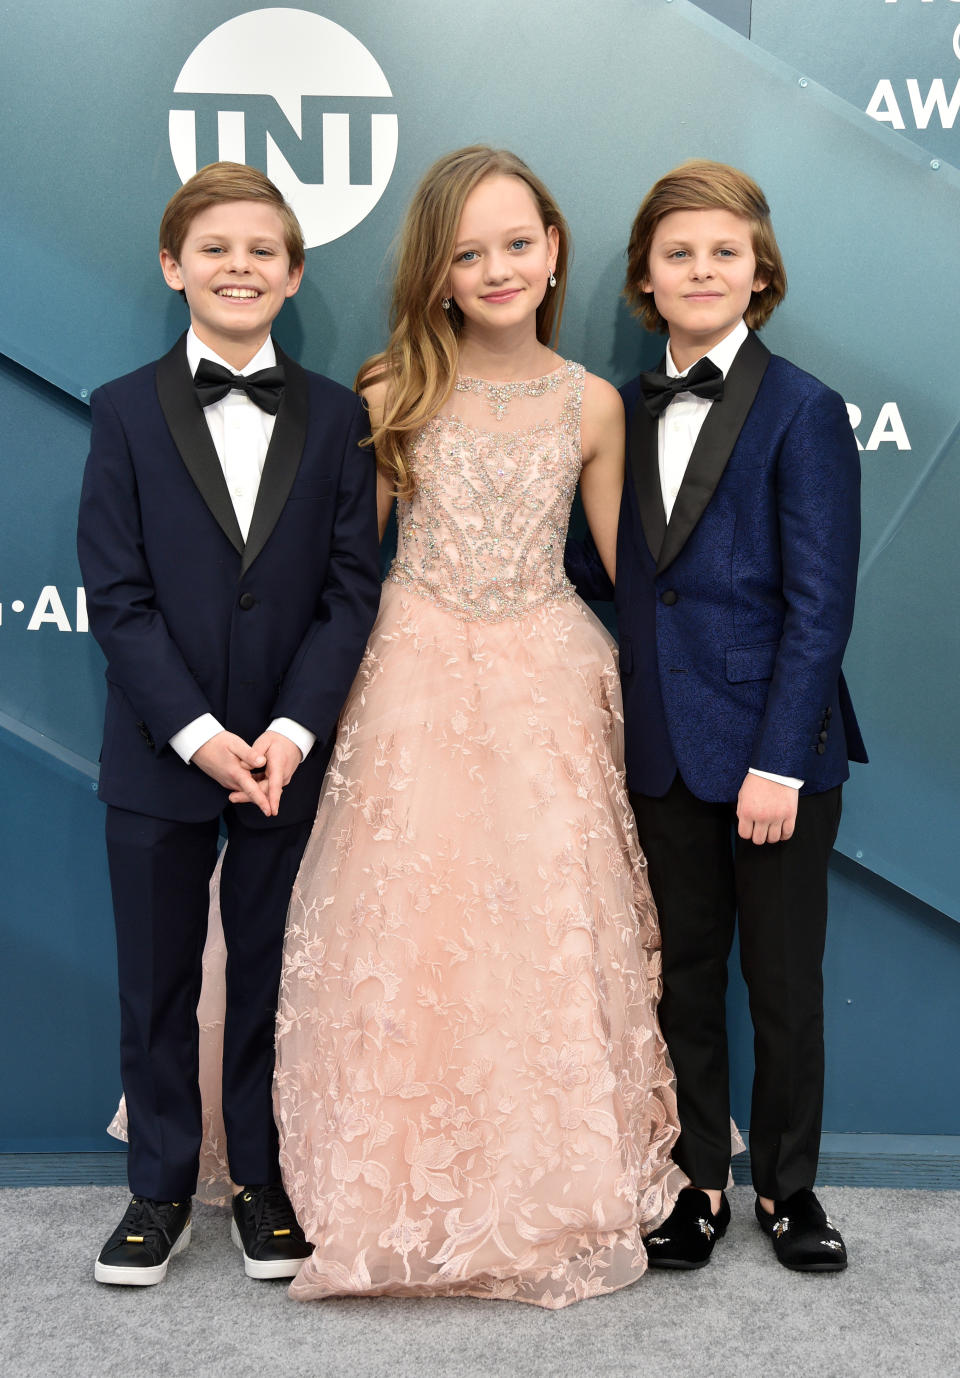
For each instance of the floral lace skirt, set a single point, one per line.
(473, 1094)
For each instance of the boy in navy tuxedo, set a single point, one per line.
(228, 544)
(736, 572)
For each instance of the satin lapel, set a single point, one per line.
(643, 449)
(715, 443)
(191, 435)
(283, 458)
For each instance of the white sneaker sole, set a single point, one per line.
(254, 1268)
(142, 1277)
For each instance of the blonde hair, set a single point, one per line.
(699, 185)
(215, 184)
(419, 362)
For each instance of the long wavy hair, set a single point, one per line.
(419, 363)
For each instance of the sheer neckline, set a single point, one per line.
(472, 380)
(498, 396)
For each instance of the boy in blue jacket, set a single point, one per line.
(736, 573)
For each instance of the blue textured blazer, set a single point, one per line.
(192, 618)
(733, 617)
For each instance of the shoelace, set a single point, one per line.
(272, 1212)
(144, 1220)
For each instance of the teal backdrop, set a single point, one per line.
(849, 117)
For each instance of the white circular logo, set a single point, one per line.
(329, 148)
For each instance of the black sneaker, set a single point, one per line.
(266, 1229)
(148, 1236)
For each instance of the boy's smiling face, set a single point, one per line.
(701, 270)
(235, 270)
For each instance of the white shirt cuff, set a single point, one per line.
(301, 737)
(191, 738)
(777, 779)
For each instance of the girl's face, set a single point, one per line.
(503, 255)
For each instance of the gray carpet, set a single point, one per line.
(895, 1312)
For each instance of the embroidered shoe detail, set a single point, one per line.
(658, 1239)
(706, 1228)
(782, 1225)
(832, 1243)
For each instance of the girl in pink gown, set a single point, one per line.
(472, 1090)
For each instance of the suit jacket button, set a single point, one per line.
(668, 598)
(247, 601)
(828, 712)
(820, 748)
(823, 736)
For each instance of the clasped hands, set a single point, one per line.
(255, 774)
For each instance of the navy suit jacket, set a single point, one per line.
(733, 617)
(191, 618)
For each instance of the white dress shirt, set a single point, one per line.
(241, 433)
(679, 427)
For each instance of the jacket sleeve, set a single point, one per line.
(584, 569)
(142, 658)
(818, 507)
(319, 677)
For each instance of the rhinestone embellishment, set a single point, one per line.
(782, 1225)
(706, 1228)
(500, 395)
(483, 534)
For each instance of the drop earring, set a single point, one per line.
(445, 303)
(552, 279)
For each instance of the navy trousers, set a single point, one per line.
(159, 873)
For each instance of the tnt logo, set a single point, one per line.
(308, 109)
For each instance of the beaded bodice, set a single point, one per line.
(495, 472)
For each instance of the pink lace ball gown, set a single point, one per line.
(472, 1090)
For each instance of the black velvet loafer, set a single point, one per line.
(803, 1238)
(266, 1229)
(148, 1236)
(687, 1236)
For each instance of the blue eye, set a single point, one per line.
(468, 256)
(678, 253)
(519, 244)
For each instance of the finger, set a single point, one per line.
(253, 793)
(745, 828)
(274, 784)
(774, 832)
(787, 831)
(759, 834)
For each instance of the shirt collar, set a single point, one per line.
(265, 357)
(722, 354)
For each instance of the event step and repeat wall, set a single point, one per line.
(849, 117)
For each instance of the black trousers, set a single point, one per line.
(159, 874)
(704, 879)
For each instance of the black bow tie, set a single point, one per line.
(265, 387)
(703, 380)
